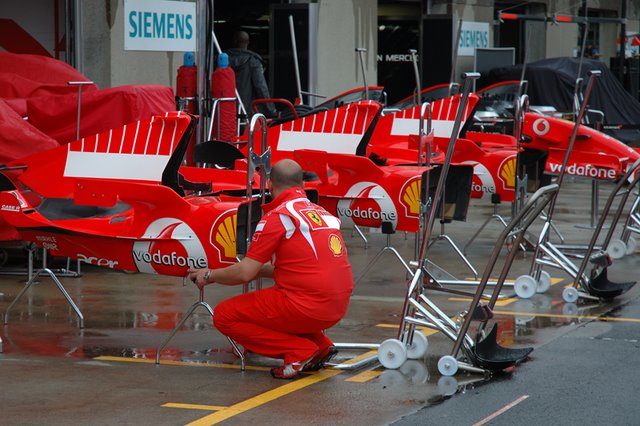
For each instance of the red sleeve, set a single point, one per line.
(266, 238)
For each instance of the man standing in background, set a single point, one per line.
(249, 69)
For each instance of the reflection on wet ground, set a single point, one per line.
(127, 317)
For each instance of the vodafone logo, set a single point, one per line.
(482, 182)
(173, 248)
(367, 204)
(541, 127)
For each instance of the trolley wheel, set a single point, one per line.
(448, 365)
(632, 245)
(525, 286)
(415, 371)
(418, 348)
(447, 385)
(392, 353)
(570, 309)
(617, 249)
(544, 282)
(570, 294)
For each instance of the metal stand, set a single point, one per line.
(445, 237)
(495, 200)
(387, 229)
(357, 229)
(184, 319)
(31, 281)
(595, 197)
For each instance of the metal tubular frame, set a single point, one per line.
(632, 223)
(545, 252)
(215, 109)
(580, 279)
(58, 284)
(439, 193)
(418, 310)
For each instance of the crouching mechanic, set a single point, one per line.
(299, 244)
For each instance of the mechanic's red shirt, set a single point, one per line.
(304, 243)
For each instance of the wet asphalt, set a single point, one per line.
(583, 369)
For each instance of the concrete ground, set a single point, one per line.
(582, 369)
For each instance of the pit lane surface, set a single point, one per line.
(581, 371)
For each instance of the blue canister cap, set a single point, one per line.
(189, 59)
(223, 60)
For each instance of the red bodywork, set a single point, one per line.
(395, 139)
(594, 155)
(115, 200)
(331, 143)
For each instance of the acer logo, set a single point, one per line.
(93, 260)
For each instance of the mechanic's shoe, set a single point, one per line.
(290, 371)
(320, 359)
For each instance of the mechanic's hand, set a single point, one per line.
(200, 277)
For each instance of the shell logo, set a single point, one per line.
(170, 247)
(507, 172)
(410, 197)
(335, 245)
(367, 204)
(223, 236)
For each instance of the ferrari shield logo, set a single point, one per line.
(315, 218)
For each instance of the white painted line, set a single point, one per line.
(501, 411)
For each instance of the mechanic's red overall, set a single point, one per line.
(313, 282)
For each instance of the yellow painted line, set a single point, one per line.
(264, 398)
(365, 376)
(425, 330)
(499, 302)
(591, 317)
(181, 363)
(194, 406)
(358, 358)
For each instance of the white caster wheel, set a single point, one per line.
(418, 347)
(617, 249)
(570, 294)
(544, 282)
(448, 365)
(415, 371)
(447, 385)
(525, 286)
(392, 353)
(570, 309)
(632, 245)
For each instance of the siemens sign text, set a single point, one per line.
(159, 25)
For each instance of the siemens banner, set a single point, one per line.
(159, 25)
(472, 35)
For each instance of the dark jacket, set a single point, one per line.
(250, 81)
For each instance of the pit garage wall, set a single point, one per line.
(344, 26)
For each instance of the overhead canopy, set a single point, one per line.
(552, 82)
